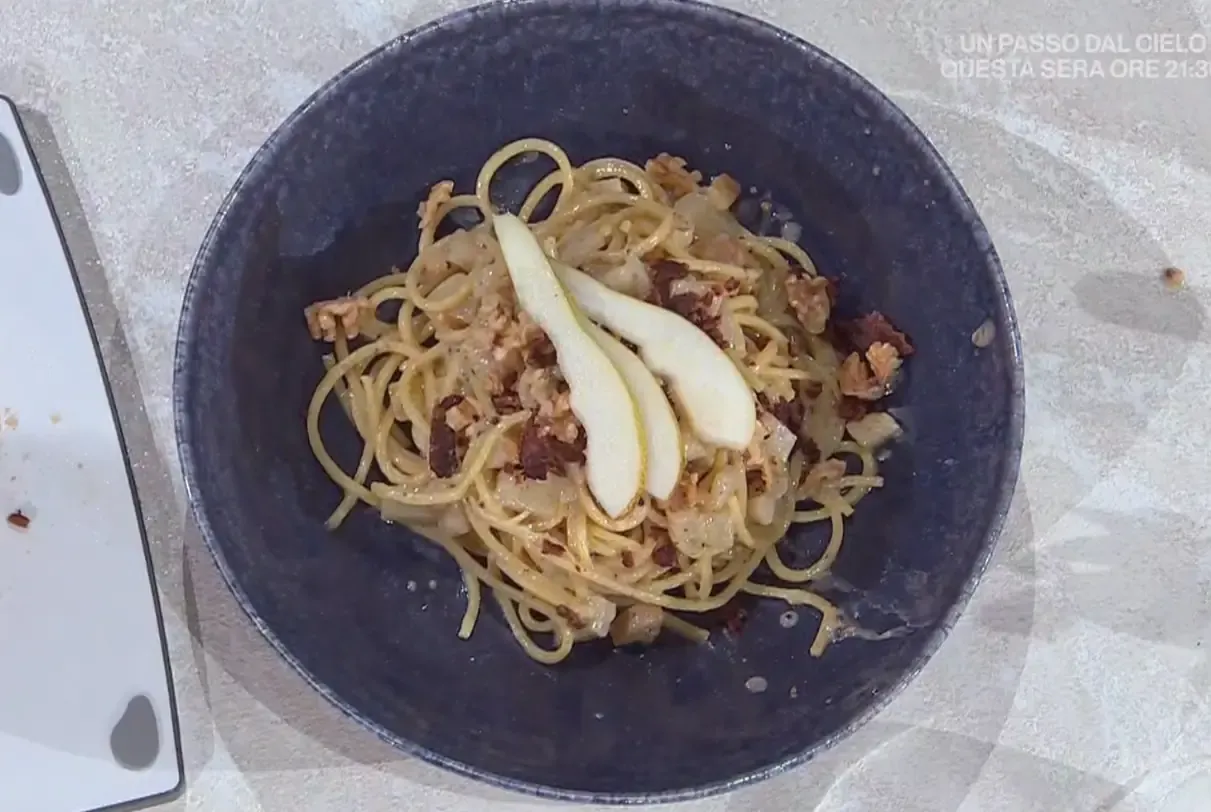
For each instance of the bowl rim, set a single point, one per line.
(1004, 317)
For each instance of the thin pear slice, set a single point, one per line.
(661, 433)
(717, 400)
(600, 399)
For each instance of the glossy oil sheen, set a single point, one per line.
(330, 203)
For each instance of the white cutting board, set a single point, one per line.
(87, 716)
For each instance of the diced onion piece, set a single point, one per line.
(874, 429)
(637, 624)
(723, 192)
(780, 440)
(697, 533)
(541, 497)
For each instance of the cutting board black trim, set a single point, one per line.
(175, 792)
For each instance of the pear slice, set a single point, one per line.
(661, 433)
(600, 399)
(717, 400)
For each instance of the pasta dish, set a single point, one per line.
(609, 405)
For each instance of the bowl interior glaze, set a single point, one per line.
(330, 202)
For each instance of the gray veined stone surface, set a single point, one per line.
(1078, 678)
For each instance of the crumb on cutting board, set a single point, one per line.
(1174, 278)
(18, 520)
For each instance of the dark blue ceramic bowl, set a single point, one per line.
(330, 202)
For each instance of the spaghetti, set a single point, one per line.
(468, 436)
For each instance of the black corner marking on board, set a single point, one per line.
(10, 169)
(135, 739)
(174, 719)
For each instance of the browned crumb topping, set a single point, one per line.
(508, 401)
(665, 555)
(541, 352)
(443, 438)
(851, 408)
(874, 327)
(856, 379)
(789, 413)
(439, 194)
(510, 359)
(870, 377)
(542, 452)
(696, 301)
(671, 175)
(324, 319)
(823, 475)
(884, 360)
(809, 298)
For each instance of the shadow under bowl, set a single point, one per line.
(368, 615)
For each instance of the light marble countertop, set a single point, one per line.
(1078, 678)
